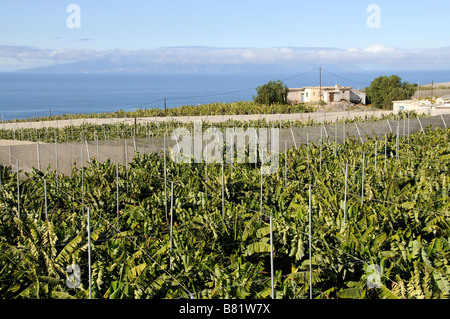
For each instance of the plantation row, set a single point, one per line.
(367, 210)
(217, 108)
(130, 129)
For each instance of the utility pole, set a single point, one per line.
(418, 88)
(165, 110)
(432, 83)
(320, 84)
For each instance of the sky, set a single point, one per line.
(369, 33)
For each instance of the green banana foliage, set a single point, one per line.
(141, 248)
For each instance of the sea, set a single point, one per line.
(27, 95)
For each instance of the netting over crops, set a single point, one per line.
(318, 200)
(63, 157)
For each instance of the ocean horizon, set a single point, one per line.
(28, 95)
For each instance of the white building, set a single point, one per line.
(328, 94)
(420, 105)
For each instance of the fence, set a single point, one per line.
(63, 157)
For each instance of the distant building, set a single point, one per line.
(337, 93)
(420, 105)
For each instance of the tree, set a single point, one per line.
(383, 90)
(273, 92)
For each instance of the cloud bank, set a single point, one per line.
(377, 55)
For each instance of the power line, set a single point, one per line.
(237, 91)
(343, 78)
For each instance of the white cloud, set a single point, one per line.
(379, 48)
(24, 56)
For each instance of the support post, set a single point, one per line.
(45, 198)
(261, 193)
(335, 139)
(385, 151)
(223, 193)
(345, 194)
(359, 133)
(362, 179)
(376, 152)
(18, 190)
(165, 178)
(271, 258)
(320, 152)
(445, 125)
(310, 254)
(389, 124)
(82, 182)
(38, 157)
(117, 194)
(87, 151)
(398, 142)
(171, 223)
(89, 252)
(126, 160)
(325, 130)
(343, 132)
(56, 162)
(293, 137)
(307, 150)
(98, 157)
(285, 164)
(420, 123)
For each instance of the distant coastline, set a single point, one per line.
(37, 95)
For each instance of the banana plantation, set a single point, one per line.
(355, 220)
